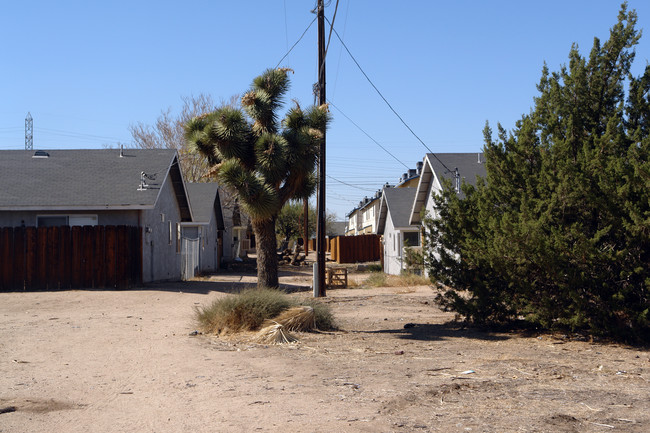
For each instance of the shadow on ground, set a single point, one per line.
(438, 332)
(215, 285)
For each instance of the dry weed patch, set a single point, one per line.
(253, 309)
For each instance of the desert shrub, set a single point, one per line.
(376, 279)
(324, 316)
(374, 267)
(406, 279)
(247, 311)
(411, 279)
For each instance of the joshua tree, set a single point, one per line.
(263, 161)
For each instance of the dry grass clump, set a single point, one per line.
(274, 334)
(409, 279)
(277, 330)
(245, 311)
(380, 279)
(377, 279)
(254, 308)
(300, 318)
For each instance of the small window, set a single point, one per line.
(411, 239)
(171, 233)
(82, 220)
(52, 221)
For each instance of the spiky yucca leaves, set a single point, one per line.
(198, 138)
(270, 152)
(265, 162)
(261, 198)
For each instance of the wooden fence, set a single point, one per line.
(355, 249)
(70, 257)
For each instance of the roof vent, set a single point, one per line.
(41, 154)
(412, 172)
(418, 166)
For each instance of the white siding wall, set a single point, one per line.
(430, 211)
(160, 259)
(392, 248)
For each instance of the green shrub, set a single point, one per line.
(557, 232)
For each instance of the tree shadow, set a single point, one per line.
(204, 287)
(444, 331)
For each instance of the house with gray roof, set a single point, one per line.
(458, 168)
(202, 239)
(394, 225)
(141, 188)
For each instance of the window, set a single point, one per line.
(171, 233)
(411, 239)
(52, 221)
(66, 220)
(82, 220)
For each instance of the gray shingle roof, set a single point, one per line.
(469, 165)
(85, 179)
(397, 201)
(204, 199)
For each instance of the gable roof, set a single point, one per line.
(397, 202)
(469, 165)
(204, 199)
(96, 179)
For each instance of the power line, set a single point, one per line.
(385, 100)
(349, 184)
(294, 45)
(73, 134)
(367, 135)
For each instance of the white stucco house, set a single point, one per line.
(459, 168)
(394, 226)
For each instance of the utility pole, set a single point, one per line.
(320, 238)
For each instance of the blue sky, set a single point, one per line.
(86, 70)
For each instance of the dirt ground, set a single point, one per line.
(107, 361)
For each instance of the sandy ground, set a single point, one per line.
(106, 361)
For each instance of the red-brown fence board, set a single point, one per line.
(76, 256)
(30, 257)
(355, 249)
(65, 263)
(6, 256)
(70, 257)
(87, 256)
(41, 258)
(99, 275)
(111, 256)
(122, 262)
(19, 259)
(52, 256)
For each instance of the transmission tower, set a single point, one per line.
(29, 132)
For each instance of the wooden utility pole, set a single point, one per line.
(320, 238)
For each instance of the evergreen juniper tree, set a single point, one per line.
(559, 232)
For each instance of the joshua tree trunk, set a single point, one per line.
(267, 258)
